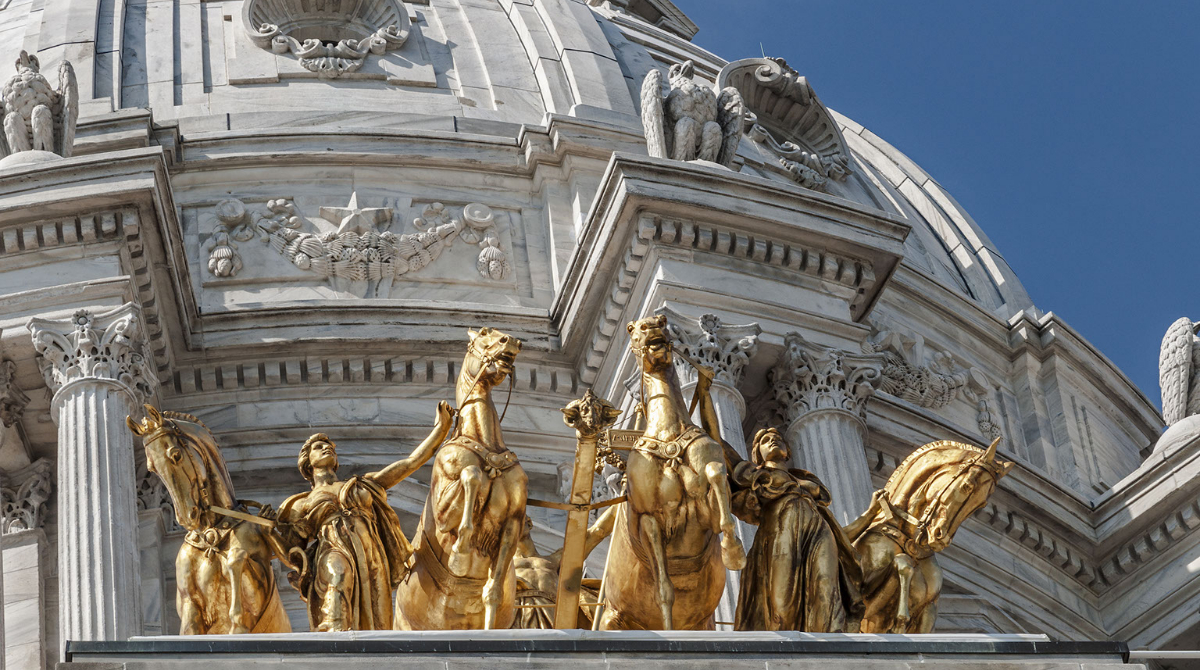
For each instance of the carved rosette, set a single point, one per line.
(12, 399)
(23, 496)
(108, 346)
(810, 378)
(709, 342)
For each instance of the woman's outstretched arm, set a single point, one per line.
(394, 473)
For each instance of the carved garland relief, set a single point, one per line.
(360, 256)
(329, 38)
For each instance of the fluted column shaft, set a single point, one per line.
(98, 576)
(822, 393)
(99, 370)
(830, 444)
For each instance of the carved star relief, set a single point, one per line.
(353, 218)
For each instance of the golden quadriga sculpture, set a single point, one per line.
(915, 516)
(801, 566)
(223, 573)
(462, 575)
(350, 550)
(675, 536)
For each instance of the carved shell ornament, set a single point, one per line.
(787, 124)
(329, 38)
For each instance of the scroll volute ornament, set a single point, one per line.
(911, 519)
(330, 38)
(788, 122)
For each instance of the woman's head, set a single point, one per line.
(318, 452)
(769, 446)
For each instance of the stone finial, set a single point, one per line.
(811, 377)
(39, 121)
(709, 342)
(23, 496)
(98, 346)
(12, 399)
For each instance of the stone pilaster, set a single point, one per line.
(100, 371)
(726, 349)
(823, 393)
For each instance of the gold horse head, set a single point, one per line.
(941, 484)
(182, 452)
(648, 340)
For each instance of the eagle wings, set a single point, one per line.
(1179, 371)
(691, 121)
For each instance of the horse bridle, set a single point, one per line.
(485, 359)
(921, 526)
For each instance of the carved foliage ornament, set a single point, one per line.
(788, 125)
(23, 496)
(106, 346)
(329, 38)
(357, 251)
(12, 399)
(709, 342)
(811, 377)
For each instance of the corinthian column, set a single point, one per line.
(12, 404)
(100, 371)
(726, 349)
(823, 394)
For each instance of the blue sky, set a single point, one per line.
(1069, 130)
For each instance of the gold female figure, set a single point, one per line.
(791, 579)
(355, 552)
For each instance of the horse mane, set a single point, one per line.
(917, 462)
(184, 416)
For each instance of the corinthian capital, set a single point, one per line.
(811, 377)
(24, 495)
(12, 400)
(107, 346)
(724, 348)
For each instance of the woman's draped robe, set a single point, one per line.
(362, 529)
(793, 576)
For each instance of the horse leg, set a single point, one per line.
(658, 553)
(732, 552)
(904, 571)
(191, 613)
(493, 588)
(472, 479)
(234, 564)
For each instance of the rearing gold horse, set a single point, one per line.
(915, 516)
(668, 569)
(462, 577)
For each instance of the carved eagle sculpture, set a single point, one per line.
(37, 117)
(692, 121)
(1179, 371)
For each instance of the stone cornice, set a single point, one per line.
(705, 209)
(123, 197)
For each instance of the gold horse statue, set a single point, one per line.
(915, 516)
(223, 576)
(672, 567)
(462, 577)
